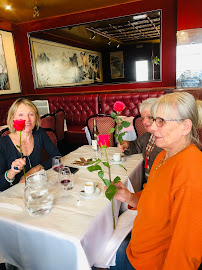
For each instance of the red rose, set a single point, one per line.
(103, 140)
(19, 125)
(119, 106)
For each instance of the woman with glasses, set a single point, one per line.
(145, 144)
(167, 232)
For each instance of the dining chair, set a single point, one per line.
(104, 124)
(138, 126)
(200, 137)
(4, 132)
(59, 124)
(52, 136)
(48, 121)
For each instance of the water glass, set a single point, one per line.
(56, 163)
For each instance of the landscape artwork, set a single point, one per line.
(4, 82)
(56, 64)
(117, 65)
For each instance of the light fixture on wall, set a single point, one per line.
(109, 43)
(93, 36)
(118, 45)
(36, 10)
(8, 7)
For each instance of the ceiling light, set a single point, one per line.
(8, 7)
(139, 17)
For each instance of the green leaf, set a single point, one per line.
(119, 128)
(94, 168)
(116, 135)
(101, 174)
(110, 192)
(125, 124)
(111, 130)
(113, 114)
(116, 179)
(107, 182)
(18, 146)
(120, 138)
(106, 164)
(120, 165)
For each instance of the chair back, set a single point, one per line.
(59, 124)
(104, 124)
(53, 138)
(138, 126)
(48, 121)
(4, 132)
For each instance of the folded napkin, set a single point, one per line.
(11, 206)
(123, 227)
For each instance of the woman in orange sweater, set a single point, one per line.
(167, 232)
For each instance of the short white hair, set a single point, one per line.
(147, 103)
(184, 106)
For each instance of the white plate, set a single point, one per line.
(80, 166)
(90, 196)
(118, 162)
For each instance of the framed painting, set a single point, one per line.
(56, 64)
(117, 65)
(9, 77)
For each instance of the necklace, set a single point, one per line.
(30, 165)
(149, 148)
(163, 160)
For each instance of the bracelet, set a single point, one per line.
(9, 180)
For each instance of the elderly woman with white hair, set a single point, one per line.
(145, 144)
(167, 232)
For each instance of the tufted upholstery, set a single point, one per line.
(78, 108)
(131, 100)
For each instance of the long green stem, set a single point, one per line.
(109, 172)
(22, 157)
(113, 214)
(109, 168)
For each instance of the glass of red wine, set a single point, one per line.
(66, 179)
(57, 163)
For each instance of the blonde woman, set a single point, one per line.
(33, 139)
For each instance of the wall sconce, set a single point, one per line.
(118, 45)
(109, 43)
(93, 36)
(35, 10)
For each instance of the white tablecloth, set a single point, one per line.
(71, 236)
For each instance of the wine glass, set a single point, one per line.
(56, 163)
(66, 179)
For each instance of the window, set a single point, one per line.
(141, 70)
(189, 58)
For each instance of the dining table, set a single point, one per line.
(76, 231)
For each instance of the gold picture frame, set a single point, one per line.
(9, 76)
(117, 64)
(56, 64)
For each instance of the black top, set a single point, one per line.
(9, 152)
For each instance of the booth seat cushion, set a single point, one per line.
(78, 108)
(131, 100)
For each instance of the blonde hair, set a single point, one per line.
(184, 107)
(147, 103)
(14, 108)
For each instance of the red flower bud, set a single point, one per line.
(19, 125)
(119, 106)
(103, 140)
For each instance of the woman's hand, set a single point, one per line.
(16, 167)
(124, 195)
(123, 146)
(31, 171)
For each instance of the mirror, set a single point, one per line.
(130, 46)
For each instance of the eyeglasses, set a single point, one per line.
(161, 121)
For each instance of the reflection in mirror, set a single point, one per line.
(130, 46)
